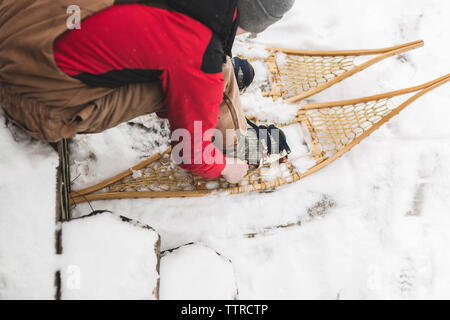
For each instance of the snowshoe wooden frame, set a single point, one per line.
(309, 72)
(333, 128)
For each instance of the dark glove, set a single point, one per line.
(243, 71)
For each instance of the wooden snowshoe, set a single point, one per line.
(330, 129)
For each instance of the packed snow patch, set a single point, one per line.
(27, 216)
(195, 272)
(105, 257)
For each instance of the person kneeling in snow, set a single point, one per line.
(128, 58)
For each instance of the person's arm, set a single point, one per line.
(194, 96)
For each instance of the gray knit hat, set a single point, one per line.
(257, 15)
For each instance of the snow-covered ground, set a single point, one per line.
(106, 258)
(27, 216)
(374, 224)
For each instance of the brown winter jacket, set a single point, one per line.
(51, 105)
(43, 100)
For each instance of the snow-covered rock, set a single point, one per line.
(107, 257)
(198, 273)
(27, 216)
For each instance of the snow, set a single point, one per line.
(107, 258)
(372, 225)
(195, 272)
(27, 216)
(116, 149)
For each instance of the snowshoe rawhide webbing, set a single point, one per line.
(297, 74)
(332, 128)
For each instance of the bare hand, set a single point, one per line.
(235, 170)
